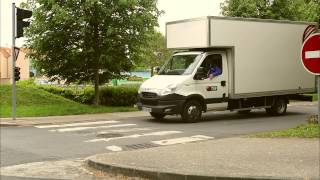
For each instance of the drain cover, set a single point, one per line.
(109, 135)
(141, 146)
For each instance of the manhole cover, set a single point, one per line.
(108, 135)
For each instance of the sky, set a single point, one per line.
(173, 10)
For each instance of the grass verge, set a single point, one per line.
(32, 101)
(301, 131)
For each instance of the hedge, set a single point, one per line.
(109, 96)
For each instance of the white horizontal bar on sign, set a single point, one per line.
(159, 133)
(312, 54)
(90, 128)
(182, 140)
(114, 148)
(76, 124)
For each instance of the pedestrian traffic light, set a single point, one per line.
(21, 15)
(16, 73)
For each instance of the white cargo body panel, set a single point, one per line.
(265, 57)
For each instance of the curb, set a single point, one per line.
(8, 125)
(159, 175)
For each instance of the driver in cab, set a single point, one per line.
(214, 71)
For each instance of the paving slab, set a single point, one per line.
(230, 158)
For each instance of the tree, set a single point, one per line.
(296, 10)
(154, 53)
(89, 40)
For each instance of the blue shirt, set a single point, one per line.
(216, 71)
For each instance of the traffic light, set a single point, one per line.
(16, 73)
(21, 15)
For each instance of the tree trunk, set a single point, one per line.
(152, 71)
(96, 88)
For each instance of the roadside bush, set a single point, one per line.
(109, 96)
(118, 96)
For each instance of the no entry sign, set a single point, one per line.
(310, 54)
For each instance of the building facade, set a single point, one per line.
(6, 65)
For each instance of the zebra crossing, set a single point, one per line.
(111, 132)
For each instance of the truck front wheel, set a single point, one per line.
(191, 111)
(157, 115)
(278, 108)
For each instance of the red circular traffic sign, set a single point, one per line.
(310, 54)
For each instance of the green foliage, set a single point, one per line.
(296, 10)
(118, 96)
(154, 53)
(109, 96)
(32, 101)
(302, 131)
(89, 41)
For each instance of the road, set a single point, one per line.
(27, 145)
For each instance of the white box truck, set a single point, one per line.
(258, 64)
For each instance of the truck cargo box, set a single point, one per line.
(263, 55)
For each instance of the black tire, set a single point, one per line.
(191, 111)
(157, 115)
(278, 108)
(244, 111)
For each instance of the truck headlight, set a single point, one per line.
(170, 89)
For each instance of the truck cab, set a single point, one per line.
(184, 81)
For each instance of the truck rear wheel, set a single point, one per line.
(278, 108)
(157, 115)
(192, 111)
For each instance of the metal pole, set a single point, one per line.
(319, 99)
(13, 61)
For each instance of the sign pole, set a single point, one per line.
(13, 61)
(318, 99)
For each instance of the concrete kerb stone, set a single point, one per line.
(160, 175)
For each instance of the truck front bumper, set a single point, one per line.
(169, 104)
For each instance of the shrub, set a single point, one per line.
(118, 96)
(109, 96)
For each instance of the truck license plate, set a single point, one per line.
(146, 109)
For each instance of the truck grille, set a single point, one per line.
(151, 102)
(149, 95)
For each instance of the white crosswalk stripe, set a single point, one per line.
(158, 133)
(124, 130)
(90, 128)
(76, 124)
(112, 131)
(182, 140)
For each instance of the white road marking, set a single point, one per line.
(312, 54)
(181, 140)
(114, 148)
(87, 128)
(159, 133)
(124, 130)
(76, 124)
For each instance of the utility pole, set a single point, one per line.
(14, 103)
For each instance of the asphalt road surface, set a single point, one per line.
(23, 145)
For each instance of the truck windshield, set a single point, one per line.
(180, 65)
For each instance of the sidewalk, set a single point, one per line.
(30, 121)
(231, 158)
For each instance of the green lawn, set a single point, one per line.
(32, 101)
(302, 131)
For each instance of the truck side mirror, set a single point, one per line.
(200, 74)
